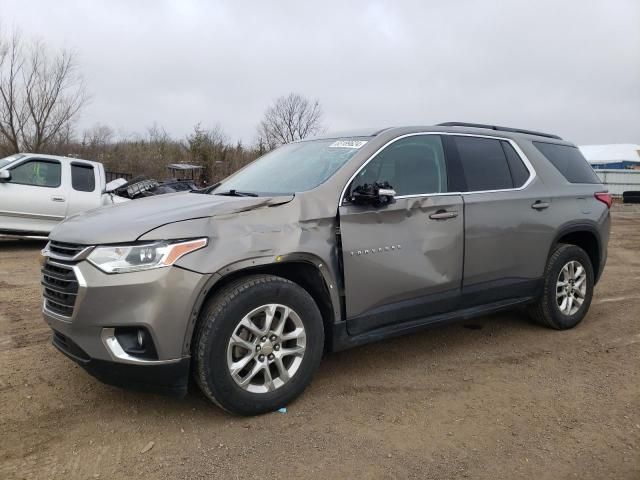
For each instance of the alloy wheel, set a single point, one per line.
(571, 287)
(266, 348)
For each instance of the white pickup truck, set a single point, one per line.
(38, 191)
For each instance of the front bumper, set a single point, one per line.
(165, 378)
(160, 301)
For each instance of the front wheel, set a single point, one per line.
(259, 342)
(568, 289)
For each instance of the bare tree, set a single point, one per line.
(98, 135)
(41, 95)
(11, 115)
(289, 118)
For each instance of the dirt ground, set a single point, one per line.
(498, 397)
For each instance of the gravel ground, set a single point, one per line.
(498, 397)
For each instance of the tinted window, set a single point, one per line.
(519, 172)
(569, 162)
(82, 177)
(412, 165)
(484, 164)
(43, 173)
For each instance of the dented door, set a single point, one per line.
(401, 261)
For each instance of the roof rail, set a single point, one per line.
(495, 127)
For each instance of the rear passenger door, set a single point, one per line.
(506, 225)
(402, 260)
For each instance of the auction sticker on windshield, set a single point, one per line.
(348, 143)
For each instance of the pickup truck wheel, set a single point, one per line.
(568, 289)
(258, 344)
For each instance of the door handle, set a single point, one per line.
(540, 205)
(443, 215)
(57, 198)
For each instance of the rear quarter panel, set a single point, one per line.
(573, 205)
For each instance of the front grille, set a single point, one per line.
(65, 250)
(60, 287)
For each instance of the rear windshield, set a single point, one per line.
(569, 162)
(295, 167)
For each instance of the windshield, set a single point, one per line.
(295, 167)
(11, 158)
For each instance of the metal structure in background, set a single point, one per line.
(619, 181)
(184, 171)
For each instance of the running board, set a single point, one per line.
(342, 340)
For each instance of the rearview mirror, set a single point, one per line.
(376, 194)
(5, 175)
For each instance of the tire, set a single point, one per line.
(547, 310)
(220, 319)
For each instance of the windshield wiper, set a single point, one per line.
(237, 193)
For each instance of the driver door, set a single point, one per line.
(402, 261)
(34, 198)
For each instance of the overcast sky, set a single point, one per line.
(567, 67)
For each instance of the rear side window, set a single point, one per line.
(82, 177)
(569, 162)
(519, 172)
(484, 164)
(413, 165)
(40, 173)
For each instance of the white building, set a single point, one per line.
(617, 155)
(617, 165)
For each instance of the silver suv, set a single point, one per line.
(322, 245)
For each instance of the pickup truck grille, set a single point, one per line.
(60, 287)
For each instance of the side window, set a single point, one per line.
(412, 165)
(82, 177)
(569, 162)
(519, 172)
(42, 173)
(484, 164)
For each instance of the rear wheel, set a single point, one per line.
(259, 342)
(568, 288)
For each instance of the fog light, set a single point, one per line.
(137, 342)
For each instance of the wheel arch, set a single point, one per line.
(306, 270)
(585, 236)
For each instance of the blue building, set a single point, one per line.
(613, 156)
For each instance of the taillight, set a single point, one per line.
(604, 197)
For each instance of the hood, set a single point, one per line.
(126, 222)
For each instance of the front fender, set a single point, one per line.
(259, 238)
(258, 264)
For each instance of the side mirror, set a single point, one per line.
(5, 175)
(376, 194)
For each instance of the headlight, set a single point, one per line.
(142, 256)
